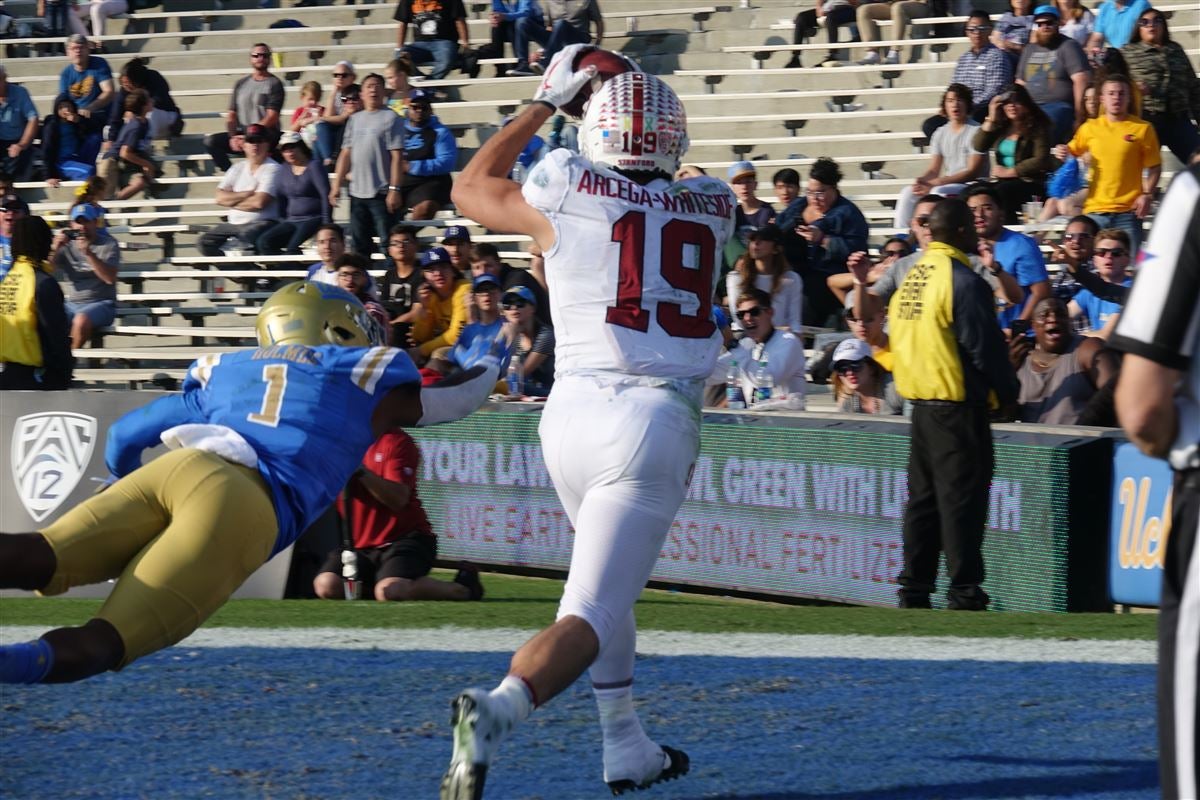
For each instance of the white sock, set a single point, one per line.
(618, 720)
(514, 697)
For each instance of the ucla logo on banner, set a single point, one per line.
(1144, 531)
(1139, 526)
(50, 451)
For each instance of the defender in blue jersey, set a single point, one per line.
(253, 459)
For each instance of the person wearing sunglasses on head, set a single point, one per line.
(257, 100)
(1110, 258)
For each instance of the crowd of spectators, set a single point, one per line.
(1038, 88)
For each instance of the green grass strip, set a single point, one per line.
(514, 602)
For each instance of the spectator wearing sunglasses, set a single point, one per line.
(532, 340)
(983, 68)
(1111, 258)
(1075, 255)
(893, 249)
(257, 100)
(860, 383)
(1055, 71)
(782, 350)
(478, 338)
(484, 257)
(346, 98)
(1169, 86)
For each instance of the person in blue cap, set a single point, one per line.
(87, 256)
(1055, 71)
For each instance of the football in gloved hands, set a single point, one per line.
(607, 64)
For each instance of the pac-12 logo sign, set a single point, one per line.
(49, 454)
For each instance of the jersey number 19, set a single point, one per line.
(630, 232)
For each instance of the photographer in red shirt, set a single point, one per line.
(394, 546)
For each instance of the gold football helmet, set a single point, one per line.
(315, 314)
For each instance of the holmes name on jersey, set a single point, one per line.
(679, 202)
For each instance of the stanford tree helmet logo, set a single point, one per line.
(50, 451)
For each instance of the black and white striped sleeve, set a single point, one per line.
(1161, 320)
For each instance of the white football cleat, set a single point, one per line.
(478, 729)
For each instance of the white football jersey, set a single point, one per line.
(633, 268)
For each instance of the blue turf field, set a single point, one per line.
(305, 723)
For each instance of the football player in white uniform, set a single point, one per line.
(631, 261)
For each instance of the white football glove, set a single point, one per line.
(559, 83)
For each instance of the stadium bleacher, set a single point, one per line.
(723, 60)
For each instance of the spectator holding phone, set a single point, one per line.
(828, 228)
(89, 259)
(1060, 371)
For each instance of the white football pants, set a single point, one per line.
(620, 458)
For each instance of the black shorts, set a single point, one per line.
(410, 557)
(435, 187)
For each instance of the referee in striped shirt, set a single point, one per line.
(1158, 403)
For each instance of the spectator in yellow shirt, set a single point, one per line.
(443, 303)
(1121, 146)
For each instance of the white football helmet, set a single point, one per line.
(634, 122)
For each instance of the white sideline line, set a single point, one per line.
(668, 643)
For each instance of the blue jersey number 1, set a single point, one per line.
(275, 376)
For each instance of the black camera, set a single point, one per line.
(71, 233)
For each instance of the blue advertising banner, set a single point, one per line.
(1139, 525)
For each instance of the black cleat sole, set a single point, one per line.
(680, 764)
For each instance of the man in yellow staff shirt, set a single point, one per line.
(949, 355)
(1122, 146)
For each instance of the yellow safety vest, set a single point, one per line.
(920, 336)
(19, 342)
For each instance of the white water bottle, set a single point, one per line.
(516, 376)
(734, 396)
(764, 382)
